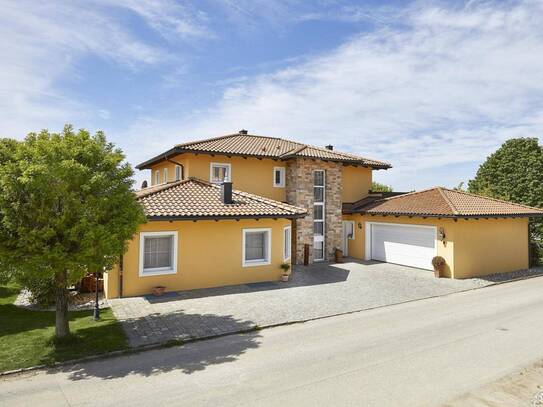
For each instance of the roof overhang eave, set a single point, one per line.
(226, 217)
(448, 216)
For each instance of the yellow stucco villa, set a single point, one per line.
(232, 209)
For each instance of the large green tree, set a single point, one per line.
(514, 173)
(66, 209)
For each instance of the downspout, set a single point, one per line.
(529, 247)
(121, 267)
(176, 163)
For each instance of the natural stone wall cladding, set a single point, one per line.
(299, 191)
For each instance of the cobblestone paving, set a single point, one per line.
(316, 291)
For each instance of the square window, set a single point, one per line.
(220, 173)
(256, 247)
(158, 253)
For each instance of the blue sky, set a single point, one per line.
(431, 86)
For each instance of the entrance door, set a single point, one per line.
(348, 234)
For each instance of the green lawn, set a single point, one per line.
(26, 336)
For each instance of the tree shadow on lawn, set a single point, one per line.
(189, 357)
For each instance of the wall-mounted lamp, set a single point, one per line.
(441, 235)
(359, 225)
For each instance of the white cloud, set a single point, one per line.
(43, 41)
(444, 89)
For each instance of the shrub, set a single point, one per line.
(438, 262)
(42, 291)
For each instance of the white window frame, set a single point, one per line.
(252, 263)
(165, 175)
(178, 173)
(323, 221)
(228, 172)
(281, 170)
(157, 177)
(287, 256)
(161, 270)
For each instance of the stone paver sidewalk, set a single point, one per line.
(316, 291)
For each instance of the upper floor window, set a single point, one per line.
(278, 176)
(157, 177)
(165, 175)
(178, 173)
(220, 172)
(158, 253)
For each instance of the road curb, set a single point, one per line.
(178, 342)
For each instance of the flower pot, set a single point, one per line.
(158, 290)
(339, 256)
(284, 277)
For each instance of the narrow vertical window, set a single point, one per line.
(178, 173)
(287, 243)
(318, 214)
(279, 177)
(157, 177)
(165, 175)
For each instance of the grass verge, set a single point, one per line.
(27, 337)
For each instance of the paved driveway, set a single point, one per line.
(315, 291)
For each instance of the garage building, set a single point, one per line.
(476, 235)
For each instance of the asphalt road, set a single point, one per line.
(426, 352)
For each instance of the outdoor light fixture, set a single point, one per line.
(441, 235)
(359, 225)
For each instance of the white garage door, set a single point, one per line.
(403, 244)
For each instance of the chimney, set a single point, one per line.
(330, 147)
(226, 193)
(242, 131)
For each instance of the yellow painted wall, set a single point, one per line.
(356, 183)
(248, 174)
(209, 255)
(171, 169)
(472, 247)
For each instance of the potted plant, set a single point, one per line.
(338, 255)
(439, 264)
(286, 271)
(158, 290)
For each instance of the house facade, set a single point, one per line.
(232, 209)
(320, 180)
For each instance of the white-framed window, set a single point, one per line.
(279, 177)
(319, 226)
(158, 253)
(157, 177)
(165, 174)
(178, 173)
(220, 172)
(287, 242)
(256, 247)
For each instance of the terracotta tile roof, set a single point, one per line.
(197, 199)
(443, 202)
(266, 147)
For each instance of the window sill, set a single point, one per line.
(156, 272)
(256, 263)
